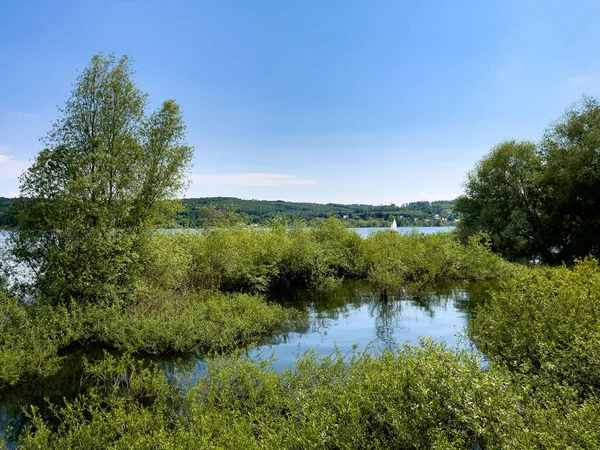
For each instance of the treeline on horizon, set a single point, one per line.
(203, 211)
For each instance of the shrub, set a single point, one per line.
(31, 337)
(261, 260)
(207, 320)
(546, 323)
(411, 397)
(421, 260)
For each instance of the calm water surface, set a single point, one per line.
(355, 316)
(364, 232)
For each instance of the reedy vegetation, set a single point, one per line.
(539, 329)
(35, 338)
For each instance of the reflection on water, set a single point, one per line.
(353, 316)
(356, 316)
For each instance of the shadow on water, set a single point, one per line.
(352, 316)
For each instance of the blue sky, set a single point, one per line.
(325, 101)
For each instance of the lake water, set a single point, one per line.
(351, 317)
(364, 232)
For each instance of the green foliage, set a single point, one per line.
(33, 337)
(419, 260)
(247, 259)
(210, 211)
(558, 418)
(173, 311)
(202, 212)
(572, 180)
(539, 332)
(210, 321)
(502, 197)
(545, 323)
(424, 397)
(266, 259)
(540, 201)
(410, 397)
(29, 339)
(344, 251)
(102, 182)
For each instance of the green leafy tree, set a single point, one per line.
(571, 151)
(108, 175)
(540, 201)
(502, 197)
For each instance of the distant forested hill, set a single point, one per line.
(201, 211)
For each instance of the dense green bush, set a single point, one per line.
(207, 320)
(172, 312)
(109, 174)
(411, 397)
(264, 259)
(546, 323)
(539, 331)
(32, 337)
(540, 201)
(248, 259)
(420, 260)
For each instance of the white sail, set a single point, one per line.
(394, 226)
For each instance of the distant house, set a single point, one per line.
(437, 216)
(345, 216)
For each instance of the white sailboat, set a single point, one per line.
(394, 226)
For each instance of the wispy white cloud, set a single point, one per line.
(28, 115)
(11, 167)
(251, 179)
(584, 82)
